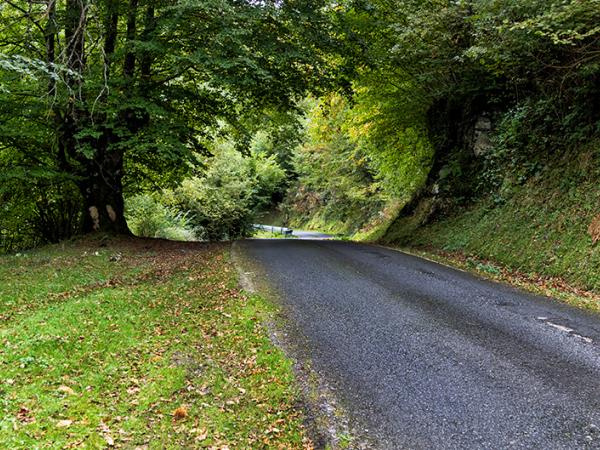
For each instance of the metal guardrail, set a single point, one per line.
(273, 229)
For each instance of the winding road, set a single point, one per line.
(425, 356)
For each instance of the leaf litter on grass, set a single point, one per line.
(157, 348)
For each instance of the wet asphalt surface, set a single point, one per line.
(425, 356)
(301, 234)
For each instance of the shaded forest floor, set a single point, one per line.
(140, 344)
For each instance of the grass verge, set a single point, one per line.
(265, 234)
(554, 287)
(542, 229)
(139, 343)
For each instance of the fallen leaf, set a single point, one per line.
(24, 415)
(202, 435)
(180, 413)
(64, 423)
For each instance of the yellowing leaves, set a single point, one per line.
(180, 413)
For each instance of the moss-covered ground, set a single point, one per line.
(540, 230)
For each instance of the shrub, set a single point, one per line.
(36, 212)
(147, 216)
(218, 205)
(222, 203)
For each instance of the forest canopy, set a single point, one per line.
(99, 96)
(365, 105)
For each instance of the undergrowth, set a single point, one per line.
(543, 228)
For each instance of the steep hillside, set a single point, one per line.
(549, 225)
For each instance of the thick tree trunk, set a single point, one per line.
(99, 178)
(102, 192)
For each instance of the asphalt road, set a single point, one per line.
(425, 356)
(301, 234)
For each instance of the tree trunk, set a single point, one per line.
(102, 192)
(100, 177)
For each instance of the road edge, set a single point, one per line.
(327, 423)
(552, 288)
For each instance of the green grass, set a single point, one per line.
(541, 230)
(139, 343)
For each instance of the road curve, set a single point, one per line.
(425, 356)
(302, 234)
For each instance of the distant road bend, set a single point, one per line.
(425, 356)
(302, 234)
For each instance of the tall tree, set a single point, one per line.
(102, 91)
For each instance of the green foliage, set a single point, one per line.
(222, 202)
(389, 122)
(37, 205)
(271, 234)
(359, 157)
(142, 92)
(336, 189)
(125, 96)
(516, 155)
(148, 217)
(277, 133)
(14, 215)
(539, 57)
(420, 75)
(220, 207)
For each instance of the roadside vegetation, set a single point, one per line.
(543, 228)
(103, 100)
(271, 234)
(475, 129)
(138, 343)
(336, 189)
(352, 120)
(465, 129)
(220, 204)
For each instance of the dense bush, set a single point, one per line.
(218, 205)
(14, 234)
(222, 201)
(147, 216)
(36, 211)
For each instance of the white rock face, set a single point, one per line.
(481, 136)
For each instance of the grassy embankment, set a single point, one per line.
(539, 237)
(138, 344)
